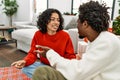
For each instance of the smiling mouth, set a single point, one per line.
(55, 26)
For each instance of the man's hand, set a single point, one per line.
(78, 56)
(42, 50)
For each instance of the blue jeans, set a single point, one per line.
(29, 70)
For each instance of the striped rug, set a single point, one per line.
(11, 73)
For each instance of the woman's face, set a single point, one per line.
(54, 23)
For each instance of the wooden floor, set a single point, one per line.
(9, 53)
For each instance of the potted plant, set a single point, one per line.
(116, 24)
(9, 8)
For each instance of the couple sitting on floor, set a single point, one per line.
(58, 61)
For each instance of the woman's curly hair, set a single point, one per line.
(95, 14)
(44, 19)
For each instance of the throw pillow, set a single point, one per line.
(71, 24)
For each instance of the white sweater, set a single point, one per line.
(100, 62)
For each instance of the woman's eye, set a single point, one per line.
(53, 19)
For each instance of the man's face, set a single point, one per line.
(80, 29)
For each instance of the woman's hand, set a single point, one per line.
(42, 50)
(19, 64)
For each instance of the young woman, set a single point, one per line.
(50, 34)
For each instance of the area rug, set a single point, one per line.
(11, 73)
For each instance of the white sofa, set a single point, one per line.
(24, 38)
(24, 25)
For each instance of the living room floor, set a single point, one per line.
(9, 53)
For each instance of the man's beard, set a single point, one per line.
(81, 37)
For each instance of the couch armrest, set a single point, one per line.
(74, 37)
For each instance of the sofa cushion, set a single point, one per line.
(71, 24)
(26, 27)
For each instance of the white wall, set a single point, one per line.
(3, 18)
(25, 10)
(62, 5)
(2, 15)
(117, 7)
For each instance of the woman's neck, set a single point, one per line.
(51, 32)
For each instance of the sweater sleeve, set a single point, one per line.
(69, 51)
(90, 64)
(31, 56)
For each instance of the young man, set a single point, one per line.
(101, 60)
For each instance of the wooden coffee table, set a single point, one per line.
(5, 28)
